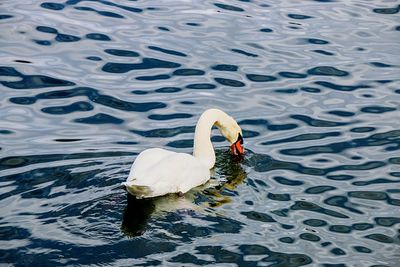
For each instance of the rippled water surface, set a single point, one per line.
(86, 85)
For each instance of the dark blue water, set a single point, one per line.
(87, 85)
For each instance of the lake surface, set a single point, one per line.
(87, 85)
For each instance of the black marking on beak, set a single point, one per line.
(240, 139)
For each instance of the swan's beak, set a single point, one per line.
(237, 147)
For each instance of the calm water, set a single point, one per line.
(86, 85)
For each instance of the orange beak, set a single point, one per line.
(237, 148)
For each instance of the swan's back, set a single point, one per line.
(157, 172)
(147, 159)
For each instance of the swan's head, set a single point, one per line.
(233, 134)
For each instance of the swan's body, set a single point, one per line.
(158, 172)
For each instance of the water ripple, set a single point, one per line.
(86, 85)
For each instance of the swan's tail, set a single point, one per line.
(139, 191)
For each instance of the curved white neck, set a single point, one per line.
(203, 148)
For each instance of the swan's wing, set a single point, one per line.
(146, 160)
(179, 172)
(157, 172)
(194, 174)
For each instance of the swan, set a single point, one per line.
(157, 172)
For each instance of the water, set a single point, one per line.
(87, 85)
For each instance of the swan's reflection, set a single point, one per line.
(136, 215)
(139, 211)
(227, 176)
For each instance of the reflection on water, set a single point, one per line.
(87, 85)
(136, 214)
(230, 174)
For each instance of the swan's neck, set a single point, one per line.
(203, 149)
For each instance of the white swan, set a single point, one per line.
(158, 172)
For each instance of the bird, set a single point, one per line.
(158, 172)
